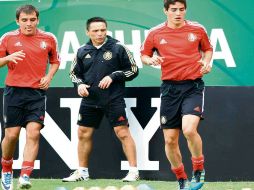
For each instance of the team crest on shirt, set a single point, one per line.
(163, 120)
(43, 45)
(107, 55)
(192, 37)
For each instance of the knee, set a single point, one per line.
(84, 133)
(33, 135)
(122, 132)
(171, 142)
(11, 137)
(189, 133)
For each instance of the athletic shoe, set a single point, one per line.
(197, 180)
(131, 176)
(76, 176)
(7, 181)
(24, 182)
(183, 184)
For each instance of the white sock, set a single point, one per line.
(83, 170)
(133, 169)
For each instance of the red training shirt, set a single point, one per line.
(39, 49)
(181, 49)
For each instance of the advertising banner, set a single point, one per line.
(228, 23)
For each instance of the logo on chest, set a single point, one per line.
(88, 56)
(163, 41)
(192, 37)
(107, 55)
(18, 44)
(43, 45)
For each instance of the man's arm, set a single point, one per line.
(207, 49)
(147, 50)
(54, 59)
(76, 77)
(45, 81)
(76, 72)
(128, 69)
(206, 65)
(14, 57)
(154, 60)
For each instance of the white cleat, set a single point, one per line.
(7, 180)
(76, 176)
(24, 182)
(131, 176)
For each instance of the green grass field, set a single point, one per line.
(52, 184)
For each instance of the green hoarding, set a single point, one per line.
(229, 24)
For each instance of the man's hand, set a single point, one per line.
(155, 60)
(45, 82)
(105, 82)
(16, 56)
(82, 90)
(206, 67)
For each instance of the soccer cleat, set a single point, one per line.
(24, 182)
(7, 181)
(131, 176)
(197, 180)
(76, 176)
(183, 184)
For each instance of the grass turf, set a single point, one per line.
(52, 184)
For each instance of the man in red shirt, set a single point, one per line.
(183, 51)
(26, 52)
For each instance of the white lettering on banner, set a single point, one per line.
(217, 35)
(142, 136)
(67, 148)
(56, 138)
(70, 39)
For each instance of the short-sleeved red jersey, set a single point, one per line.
(181, 48)
(39, 49)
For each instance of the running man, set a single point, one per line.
(183, 51)
(26, 52)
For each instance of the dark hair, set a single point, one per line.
(172, 2)
(28, 9)
(94, 19)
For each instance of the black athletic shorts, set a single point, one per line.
(91, 116)
(23, 105)
(180, 98)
